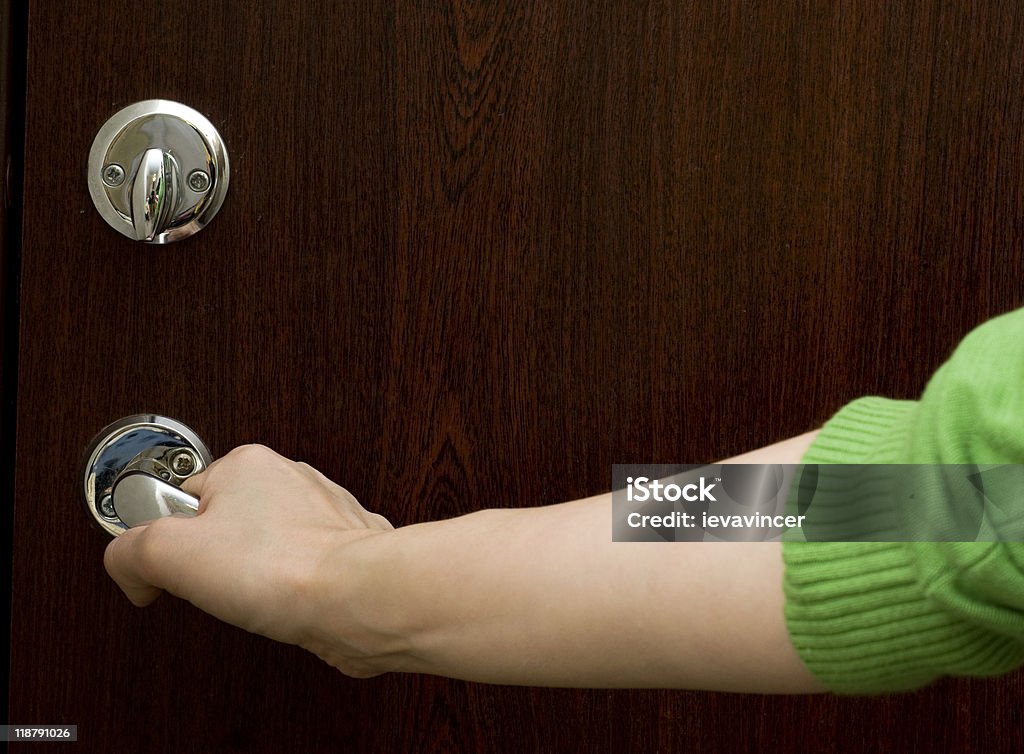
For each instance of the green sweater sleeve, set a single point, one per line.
(875, 617)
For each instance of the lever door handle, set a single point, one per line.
(139, 497)
(155, 192)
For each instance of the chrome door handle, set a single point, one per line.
(139, 498)
(158, 171)
(133, 470)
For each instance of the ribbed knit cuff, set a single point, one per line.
(852, 487)
(863, 623)
(856, 611)
(868, 430)
(859, 619)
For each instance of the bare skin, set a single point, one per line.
(533, 596)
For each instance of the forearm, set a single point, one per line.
(526, 596)
(543, 596)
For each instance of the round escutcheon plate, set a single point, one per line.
(160, 446)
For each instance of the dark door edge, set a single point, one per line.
(13, 59)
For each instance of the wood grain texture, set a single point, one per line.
(473, 254)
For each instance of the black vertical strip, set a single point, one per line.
(13, 57)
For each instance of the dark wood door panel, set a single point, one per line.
(473, 254)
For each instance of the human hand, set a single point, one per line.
(251, 556)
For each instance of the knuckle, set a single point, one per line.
(249, 456)
(252, 451)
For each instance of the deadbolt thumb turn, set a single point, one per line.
(134, 468)
(158, 171)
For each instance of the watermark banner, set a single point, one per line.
(818, 503)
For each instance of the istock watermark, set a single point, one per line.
(822, 503)
(641, 489)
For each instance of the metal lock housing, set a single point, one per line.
(133, 470)
(158, 171)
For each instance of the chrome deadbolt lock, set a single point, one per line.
(158, 171)
(133, 470)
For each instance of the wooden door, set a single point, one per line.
(473, 254)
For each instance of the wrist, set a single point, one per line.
(356, 623)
